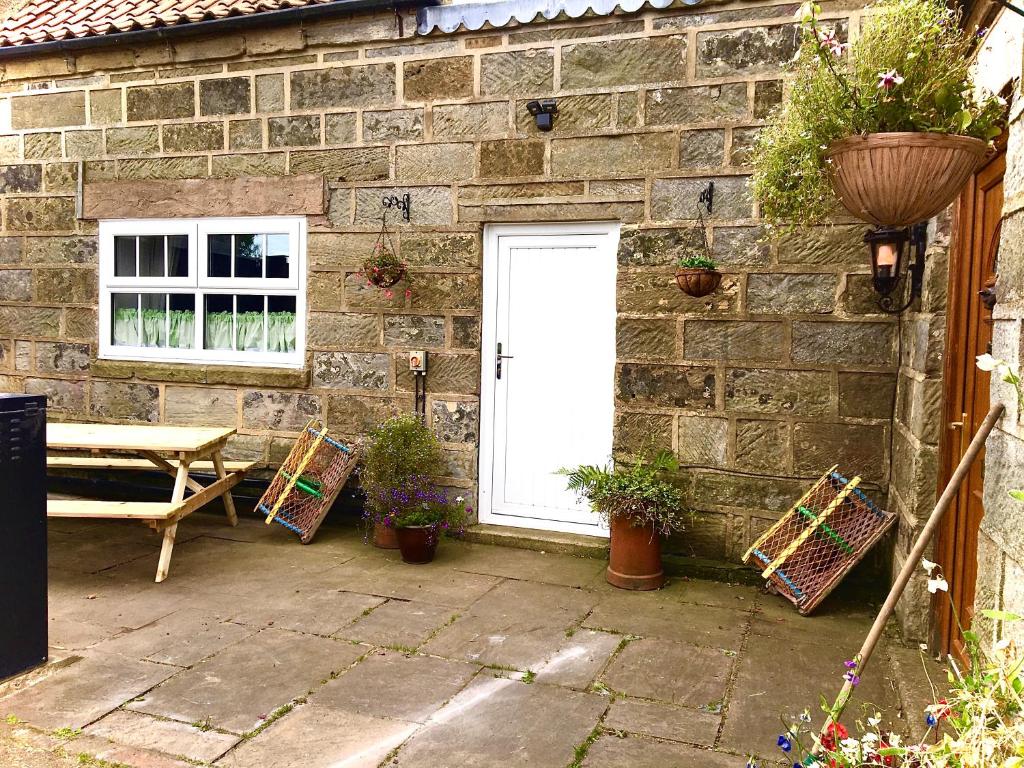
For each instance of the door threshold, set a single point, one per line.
(577, 544)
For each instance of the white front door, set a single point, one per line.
(548, 402)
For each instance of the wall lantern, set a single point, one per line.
(543, 112)
(888, 255)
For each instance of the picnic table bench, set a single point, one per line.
(174, 450)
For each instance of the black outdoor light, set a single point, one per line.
(888, 253)
(544, 112)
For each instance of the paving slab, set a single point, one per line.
(71, 635)
(399, 624)
(79, 693)
(543, 567)
(662, 616)
(677, 673)
(309, 608)
(663, 721)
(23, 747)
(610, 751)
(777, 617)
(109, 602)
(133, 729)
(319, 737)
(106, 753)
(182, 638)
(737, 596)
(522, 643)
(242, 685)
(497, 721)
(396, 685)
(579, 659)
(553, 604)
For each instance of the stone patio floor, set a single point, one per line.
(258, 651)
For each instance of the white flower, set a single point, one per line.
(934, 585)
(988, 363)
(889, 80)
(928, 565)
(459, 499)
(874, 721)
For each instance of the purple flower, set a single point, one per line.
(785, 744)
(850, 664)
(852, 679)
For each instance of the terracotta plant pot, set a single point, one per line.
(384, 537)
(697, 281)
(418, 544)
(635, 559)
(899, 179)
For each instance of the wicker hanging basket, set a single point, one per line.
(697, 281)
(899, 179)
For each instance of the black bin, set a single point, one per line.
(22, 533)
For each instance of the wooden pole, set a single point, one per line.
(925, 537)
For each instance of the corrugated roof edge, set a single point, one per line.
(474, 16)
(211, 26)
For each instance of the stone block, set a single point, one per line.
(767, 96)
(293, 131)
(771, 390)
(511, 157)
(133, 141)
(582, 114)
(530, 212)
(789, 294)
(673, 199)
(356, 164)
(466, 331)
(358, 86)
(867, 395)
(40, 214)
(742, 150)
(348, 29)
(445, 78)
(20, 178)
(393, 125)
(353, 415)
(83, 144)
(270, 93)
(672, 386)
(635, 433)
(433, 292)
(105, 107)
(656, 293)
(748, 51)
(225, 96)
(159, 102)
(352, 370)
(414, 331)
(11, 249)
(340, 128)
(658, 247)
(733, 340)
(126, 401)
(836, 343)
(762, 446)
(435, 162)
(432, 206)
(859, 297)
(61, 394)
(740, 247)
(48, 110)
(338, 250)
(60, 177)
(703, 441)
(636, 337)
(201, 406)
(279, 411)
(859, 448)
(62, 357)
(696, 104)
(450, 374)
(838, 245)
(39, 146)
(329, 291)
(612, 155)
(702, 149)
(72, 286)
(16, 284)
(80, 323)
(644, 60)
(526, 73)
(461, 121)
(193, 137)
(260, 42)
(522, 190)
(455, 421)
(223, 46)
(330, 330)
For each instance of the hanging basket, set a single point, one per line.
(383, 275)
(899, 179)
(698, 281)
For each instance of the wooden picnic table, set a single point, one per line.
(174, 450)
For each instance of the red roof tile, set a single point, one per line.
(40, 21)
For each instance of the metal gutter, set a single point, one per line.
(211, 26)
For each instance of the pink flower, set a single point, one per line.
(889, 80)
(829, 41)
(408, 293)
(388, 294)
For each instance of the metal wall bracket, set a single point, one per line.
(707, 197)
(403, 204)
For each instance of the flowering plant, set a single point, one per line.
(1005, 371)
(384, 269)
(907, 70)
(417, 502)
(400, 448)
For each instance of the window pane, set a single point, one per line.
(125, 321)
(219, 312)
(220, 255)
(281, 324)
(248, 256)
(181, 325)
(151, 256)
(154, 319)
(177, 256)
(249, 324)
(124, 256)
(277, 256)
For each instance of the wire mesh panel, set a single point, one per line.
(308, 481)
(814, 545)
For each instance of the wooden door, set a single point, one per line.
(972, 274)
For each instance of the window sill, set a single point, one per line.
(192, 373)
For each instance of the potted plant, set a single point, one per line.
(639, 506)
(400, 448)
(698, 275)
(890, 124)
(383, 268)
(420, 513)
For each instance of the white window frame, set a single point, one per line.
(199, 284)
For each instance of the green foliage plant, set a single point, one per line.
(401, 448)
(694, 261)
(907, 70)
(638, 491)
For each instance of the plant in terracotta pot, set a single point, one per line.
(420, 514)
(698, 275)
(889, 126)
(400, 448)
(639, 506)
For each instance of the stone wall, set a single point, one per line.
(788, 369)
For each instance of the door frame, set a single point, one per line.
(485, 469)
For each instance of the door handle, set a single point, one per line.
(497, 361)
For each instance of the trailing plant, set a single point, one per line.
(693, 261)
(416, 501)
(401, 448)
(635, 491)
(907, 70)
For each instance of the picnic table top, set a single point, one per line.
(134, 437)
